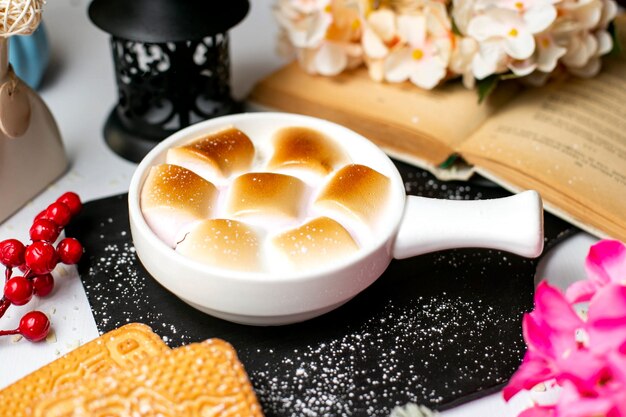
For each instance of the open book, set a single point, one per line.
(566, 140)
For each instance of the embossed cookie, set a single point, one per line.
(216, 155)
(198, 380)
(125, 348)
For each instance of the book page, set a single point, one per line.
(404, 120)
(567, 140)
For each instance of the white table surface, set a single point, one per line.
(80, 91)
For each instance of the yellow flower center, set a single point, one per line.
(417, 54)
(513, 33)
(519, 5)
(328, 8)
(356, 24)
(545, 42)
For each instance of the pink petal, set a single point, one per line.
(606, 262)
(572, 404)
(581, 291)
(555, 320)
(554, 309)
(617, 364)
(582, 369)
(606, 324)
(533, 371)
(537, 337)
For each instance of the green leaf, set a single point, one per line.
(486, 86)
(455, 28)
(617, 46)
(509, 76)
(449, 162)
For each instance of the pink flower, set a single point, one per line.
(550, 333)
(606, 262)
(585, 358)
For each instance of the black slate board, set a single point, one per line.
(439, 329)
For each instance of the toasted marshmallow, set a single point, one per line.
(301, 147)
(172, 198)
(223, 243)
(356, 191)
(215, 156)
(267, 194)
(319, 241)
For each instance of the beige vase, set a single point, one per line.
(31, 150)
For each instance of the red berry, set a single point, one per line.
(70, 250)
(41, 215)
(41, 258)
(72, 200)
(18, 290)
(44, 229)
(34, 326)
(43, 284)
(11, 253)
(59, 213)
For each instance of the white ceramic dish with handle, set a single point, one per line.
(412, 226)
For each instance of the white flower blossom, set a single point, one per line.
(548, 52)
(462, 59)
(400, 40)
(581, 30)
(425, 53)
(325, 33)
(380, 36)
(305, 22)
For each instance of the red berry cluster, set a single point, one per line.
(36, 262)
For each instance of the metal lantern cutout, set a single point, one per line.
(172, 66)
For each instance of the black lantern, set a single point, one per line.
(171, 63)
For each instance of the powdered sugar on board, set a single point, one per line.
(376, 362)
(435, 330)
(123, 293)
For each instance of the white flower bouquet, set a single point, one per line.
(428, 42)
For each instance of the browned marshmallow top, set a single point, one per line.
(177, 188)
(306, 148)
(356, 190)
(223, 243)
(226, 151)
(261, 210)
(266, 193)
(319, 240)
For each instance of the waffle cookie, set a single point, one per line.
(123, 348)
(197, 380)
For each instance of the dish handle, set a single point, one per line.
(513, 224)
